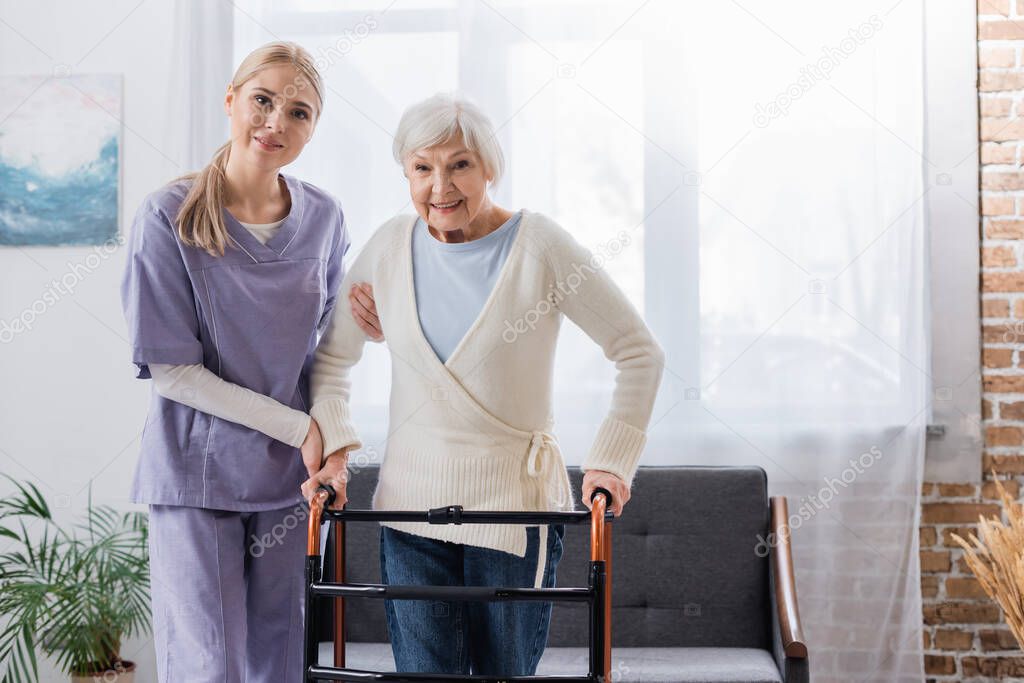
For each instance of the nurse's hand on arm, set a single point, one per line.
(364, 310)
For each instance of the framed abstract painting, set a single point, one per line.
(60, 168)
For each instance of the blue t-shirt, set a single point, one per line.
(453, 281)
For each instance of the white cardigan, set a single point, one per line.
(475, 431)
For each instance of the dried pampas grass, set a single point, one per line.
(997, 560)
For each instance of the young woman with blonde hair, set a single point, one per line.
(231, 275)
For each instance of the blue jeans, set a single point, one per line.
(492, 638)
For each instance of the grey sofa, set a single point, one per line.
(695, 595)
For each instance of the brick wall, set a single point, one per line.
(965, 637)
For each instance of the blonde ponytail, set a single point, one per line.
(200, 219)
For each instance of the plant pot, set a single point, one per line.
(124, 673)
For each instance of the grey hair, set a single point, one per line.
(442, 117)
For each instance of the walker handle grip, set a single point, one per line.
(607, 495)
(330, 493)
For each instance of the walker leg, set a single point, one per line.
(597, 622)
(311, 645)
(607, 602)
(310, 652)
(339, 603)
(600, 584)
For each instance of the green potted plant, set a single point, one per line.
(74, 595)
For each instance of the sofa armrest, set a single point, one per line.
(788, 644)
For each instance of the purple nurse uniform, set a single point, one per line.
(226, 513)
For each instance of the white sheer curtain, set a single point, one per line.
(778, 254)
(203, 56)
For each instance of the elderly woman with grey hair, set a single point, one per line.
(471, 297)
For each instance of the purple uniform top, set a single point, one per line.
(253, 317)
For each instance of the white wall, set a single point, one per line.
(71, 412)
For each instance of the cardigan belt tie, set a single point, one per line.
(544, 462)
(541, 444)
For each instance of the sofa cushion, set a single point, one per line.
(637, 665)
(684, 568)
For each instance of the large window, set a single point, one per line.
(761, 179)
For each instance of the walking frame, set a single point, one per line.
(597, 594)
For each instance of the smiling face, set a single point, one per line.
(447, 184)
(272, 117)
